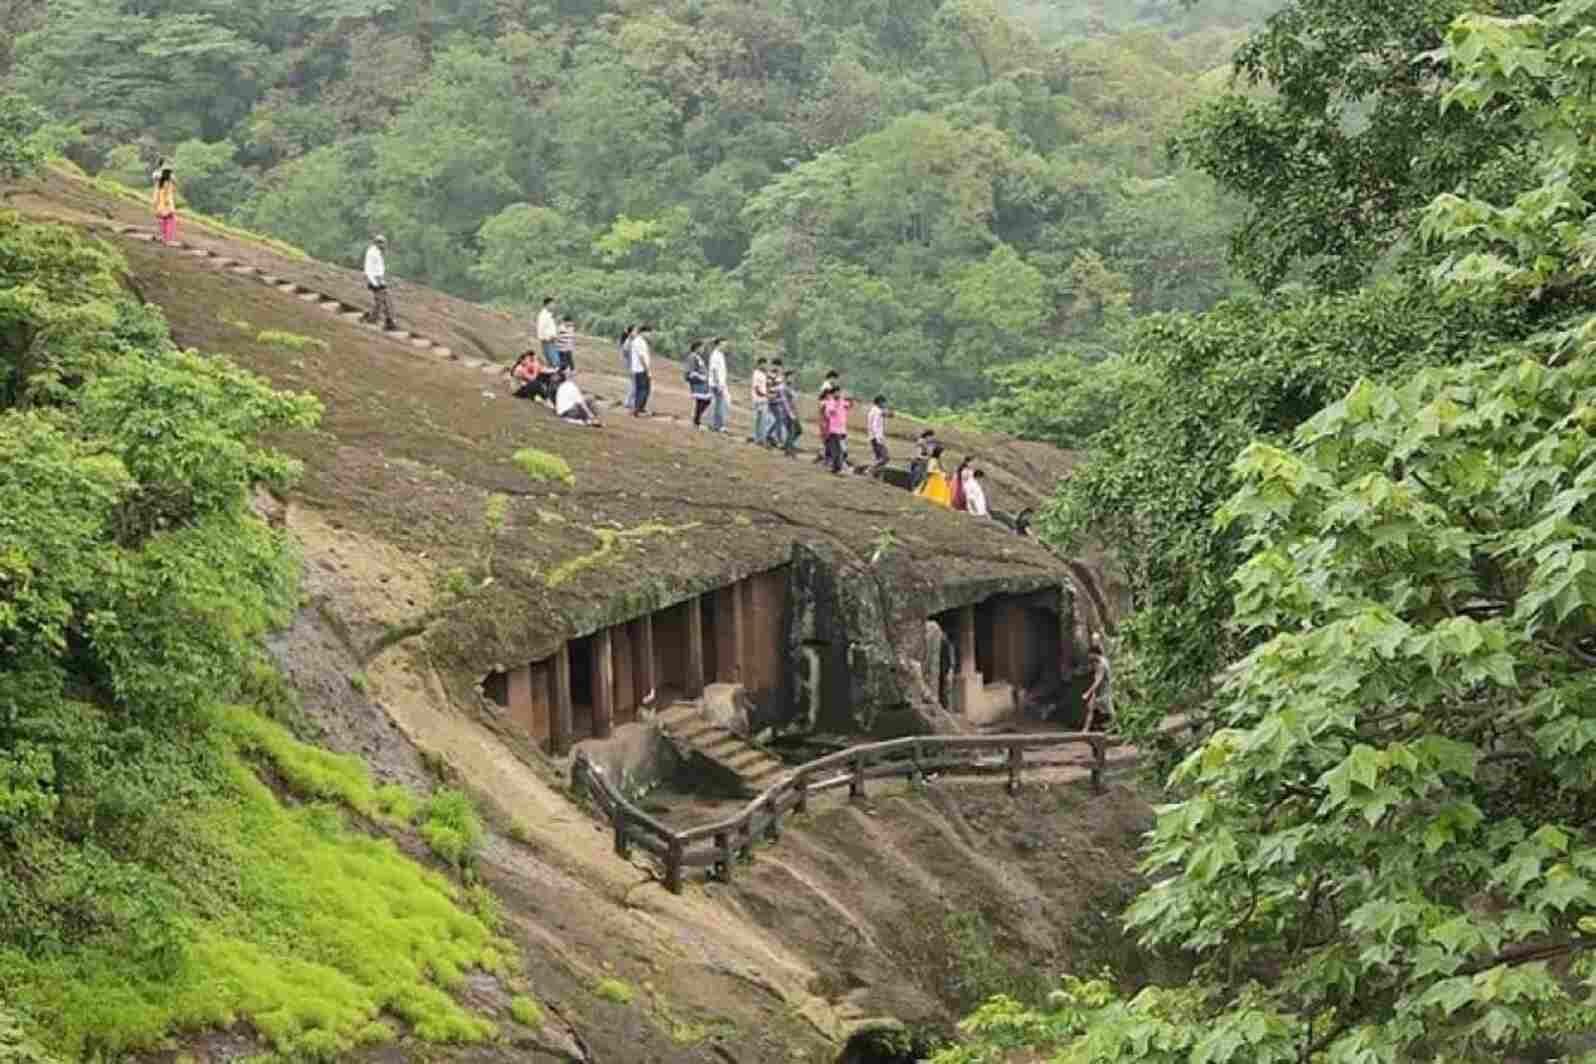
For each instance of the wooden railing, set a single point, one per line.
(720, 845)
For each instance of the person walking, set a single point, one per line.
(626, 366)
(719, 393)
(876, 427)
(565, 346)
(834, 418)
(759, 397)
(936, 487)
(697, 383)
(165, 203)
(831, 382)
(548, 331)
(782, 423)
(377, 282)
(642, 369)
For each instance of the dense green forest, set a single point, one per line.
(920, 191)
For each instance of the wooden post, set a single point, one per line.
(673, 865)
(603, 683)
(1015, 755)
(916, 771)
(644, 669)
(695, 648)
(1099, 763)
(625, 707)
(856, 785)
(563, 724)
(773, 829)
(802, 785)
(727, 856)
(623, 843)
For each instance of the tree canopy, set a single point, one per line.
(1381, 849)
(921, 190)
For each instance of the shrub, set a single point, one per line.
(617, 991)
(541, 466)
(526, 1012)
(290, 341)
(451, 826)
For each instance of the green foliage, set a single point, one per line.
(924, 189)
(541, 466)
(451, 826)
(19, 122)
(616, 991)
(526, 1012)
(149, 879)
(1381, 851)
(1061, 399)
(290, 341)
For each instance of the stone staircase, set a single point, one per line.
(685, 725)
(347, 312)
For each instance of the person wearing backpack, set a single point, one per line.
(697, 383)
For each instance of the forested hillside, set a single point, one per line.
(919, 190)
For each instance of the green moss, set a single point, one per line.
(610, 540)
(526, 1012)
(615, 990)
(317, 773)
(452, 827)
(541, 466)
(291, 922)
(289, 341)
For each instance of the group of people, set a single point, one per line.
(963, 489)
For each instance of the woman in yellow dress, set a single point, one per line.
(165, 204)
(937, 487)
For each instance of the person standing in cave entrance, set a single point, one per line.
(1100, 695)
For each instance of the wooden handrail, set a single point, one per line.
(716, 845)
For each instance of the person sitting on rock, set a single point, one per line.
(531, 379)
(572, 405)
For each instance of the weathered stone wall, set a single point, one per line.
(861, 658)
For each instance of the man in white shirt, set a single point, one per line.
(876, 422)
(759, 395)
(571, 405)
(377, 282)
(642, 361)
(549, 332)
(718, 394)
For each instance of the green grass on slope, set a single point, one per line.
(315, 934)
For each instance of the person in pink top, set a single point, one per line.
(834, 416)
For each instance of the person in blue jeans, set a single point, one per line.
(759, 397)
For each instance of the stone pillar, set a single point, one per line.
(729, 635)
(1008, 639)
(643, 669)
(625, 685)
(603, 685)
(694, 679)
(968, 685)
(564, 722)
(518, 687)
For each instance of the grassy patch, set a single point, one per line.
(526, 1012)
(541, 466)
(290, 341)
(618, 991)
(316, 773)
(452, 827)
(610, 540)
(287, 920)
